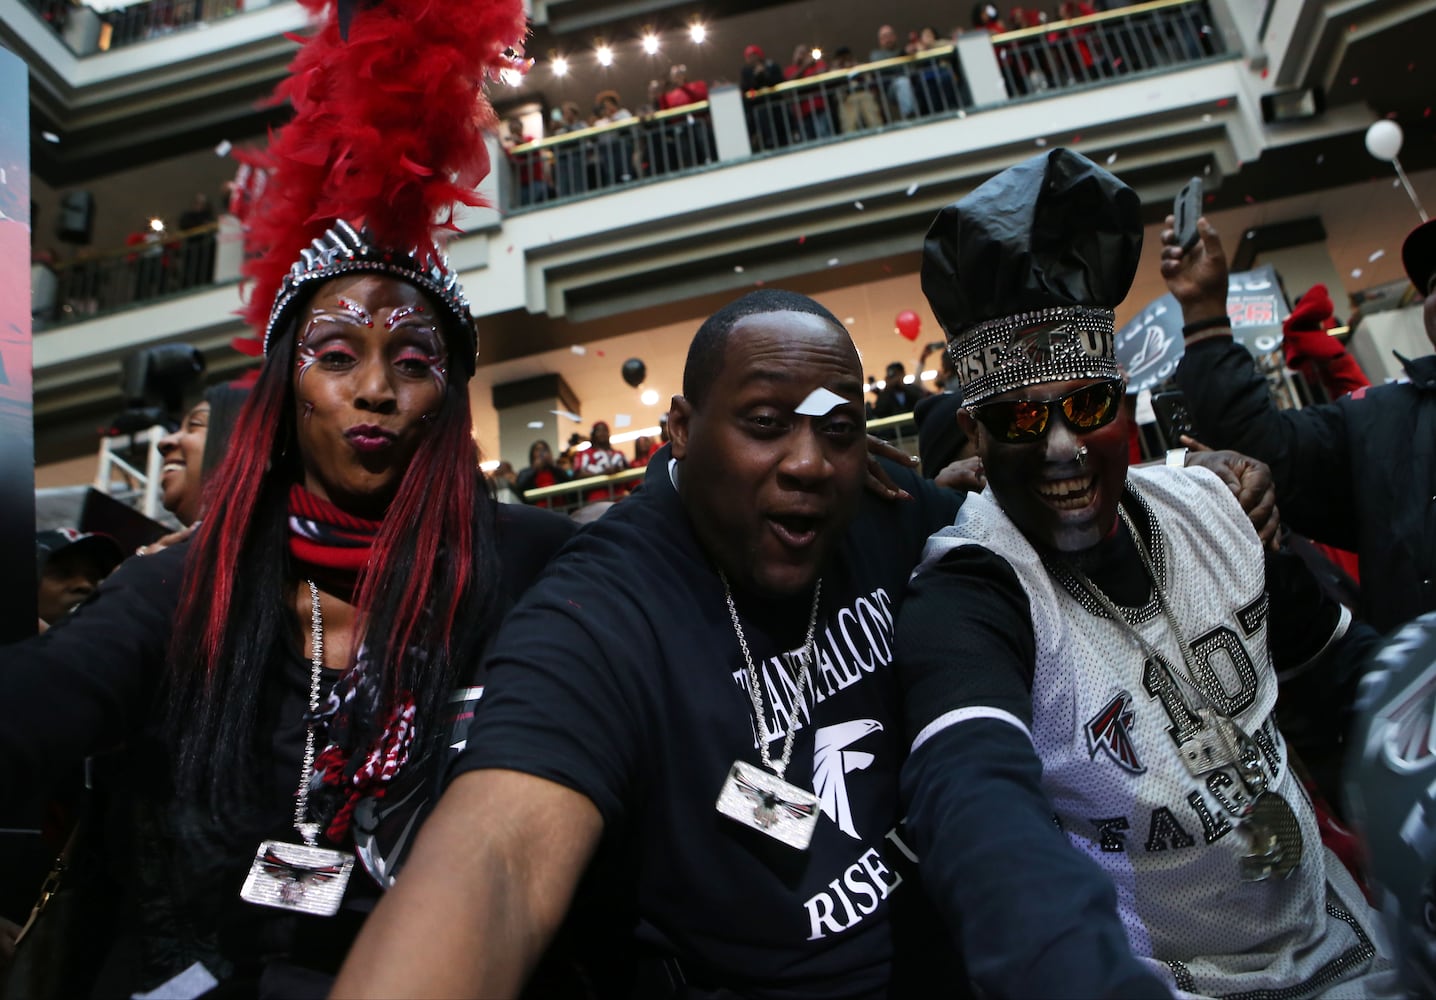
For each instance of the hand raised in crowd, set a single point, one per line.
(1250, 482)
(1197, 277)
(879, 482)
(966, 475)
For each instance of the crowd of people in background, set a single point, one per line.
(927, 79)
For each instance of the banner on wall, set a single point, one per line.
(17, 407)
(1150, 346)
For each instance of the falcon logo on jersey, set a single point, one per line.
(1111, 730)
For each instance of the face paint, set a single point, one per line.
(819, 403)
(436, 360)
(358, 312)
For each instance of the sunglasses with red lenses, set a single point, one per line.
(1019, 421)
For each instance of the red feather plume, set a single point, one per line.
(387, 130)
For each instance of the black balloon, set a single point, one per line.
(634, 372)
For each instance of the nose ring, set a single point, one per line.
(1081, 455)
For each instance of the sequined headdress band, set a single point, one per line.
(1047, 345)
(344, 250)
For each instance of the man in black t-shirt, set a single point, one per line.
(749, 585)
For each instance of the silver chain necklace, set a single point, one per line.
(760, 798)
(755, 691)
(304, 878)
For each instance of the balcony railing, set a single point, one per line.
(1031, 63)
(1052, 58)
(102, 283)
(590, 160)
(1065, 54)
(128, 25)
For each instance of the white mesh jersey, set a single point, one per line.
(1103, 724)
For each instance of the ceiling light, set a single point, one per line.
(560, 66)
(697, 32)
(649, 397)
(650, 43)
(605, 55)
(817, 54)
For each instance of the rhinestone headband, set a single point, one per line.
(345, 250)
(1047, 345)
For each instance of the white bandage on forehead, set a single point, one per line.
(820, 403)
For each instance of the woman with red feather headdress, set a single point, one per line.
(295, 670)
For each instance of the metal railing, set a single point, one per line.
(1099, 47)
(92, 284)
(590, 160)
(856, 99)
(137, 23)
(1050, 58)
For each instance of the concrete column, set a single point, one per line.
(979, 67)
(730, 125)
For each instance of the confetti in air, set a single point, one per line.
(579, 349)
(802, 240)
(1077, 138)
(912, 188)
(737, 268)
(222, 150)
(1375, 255)
(832, 262)
(1320, 159)
(1356, 272)
(1041, 142)
(1111, 158)
(858, 205)
(1206, 118)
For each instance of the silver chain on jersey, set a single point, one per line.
(310, 831)
(1188, 658)
(755, 691)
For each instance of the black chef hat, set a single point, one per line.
(1024, 272)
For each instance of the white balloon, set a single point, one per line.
(1383, 139)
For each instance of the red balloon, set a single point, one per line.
(908, 324)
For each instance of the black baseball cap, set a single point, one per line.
(102, 549)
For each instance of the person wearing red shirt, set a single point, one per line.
(682, 90)
(811, 108)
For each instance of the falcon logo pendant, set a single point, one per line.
(770, 805)
(298, 877)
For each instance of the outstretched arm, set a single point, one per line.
(490, 879)
(1032, 914)
(1232, 407)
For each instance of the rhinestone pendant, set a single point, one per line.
(1272, 831)
(298, 877)
(766, 803)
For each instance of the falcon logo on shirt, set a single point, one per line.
(1111, 730)
(832, 761)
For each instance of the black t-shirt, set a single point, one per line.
(619, 675)
(95, 681)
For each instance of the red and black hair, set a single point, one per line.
(421, 600)
(387, 135)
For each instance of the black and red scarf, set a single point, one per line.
(331, 548)
(327, 545)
